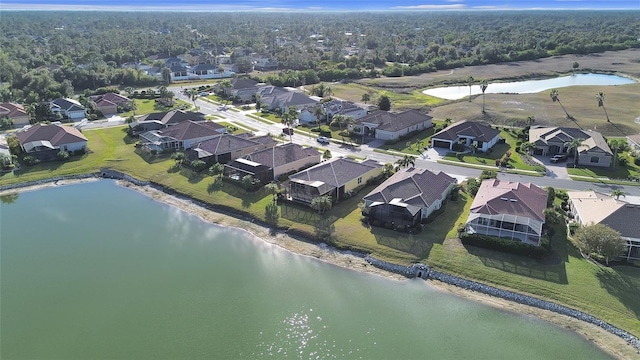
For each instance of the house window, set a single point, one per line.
(360, 180)
(595, 159)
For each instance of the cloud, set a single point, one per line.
(431, 7)
(455, 1)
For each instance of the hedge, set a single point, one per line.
(505, 245)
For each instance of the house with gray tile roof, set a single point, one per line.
(508, 209)
(45, 141)
(408, 196)
(225, 148)
(68, 108)
(273, 98)
(387, 125)
(161, 120)
(269, 164)
(339, 178)
(181, 136)
(590, 207)
(467, 133)
(550, 141)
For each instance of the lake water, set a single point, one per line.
(529, 86)
(98, 271)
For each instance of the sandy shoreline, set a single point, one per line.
(613, 345)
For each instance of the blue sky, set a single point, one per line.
(319, 5)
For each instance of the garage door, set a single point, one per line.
(441, 144)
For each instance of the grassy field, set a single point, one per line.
(411, 99)
(413, 145)
(147, 106)
(612, 294)
(618, 172)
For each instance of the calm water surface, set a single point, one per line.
(529, 86)
(99, 271)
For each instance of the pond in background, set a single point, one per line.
(99, 271)
(529, 86)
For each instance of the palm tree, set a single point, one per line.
(554, 97)
(388, 170)
(616, 145)
(574, 145)
(272, 188)
(405, 161)
(224, 85)
(600, 98)
(326, 155)
(322, 203)
(178, 156)
(483, 86)
(318, 113)
(193, 95)
(366, 97)
(129, 90)
(531, 120)
(166, 75)
(617, 193)
(470, 81)
(527, 147)
(216, 169)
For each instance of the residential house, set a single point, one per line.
(265, 64)
(590, 207)
(634, 141)
(15, 112)
(269, 164)
(385, 125)
(550, 141)
(208, 71)
(225, 148)
(331, 108)
(508, 210)
(241, 88)
(466, 133)
(339, 178)
(408, 196)
(160, 120)
(44, 142)
(67, 108)
(110, 103)
(181, 136)
(273, 98)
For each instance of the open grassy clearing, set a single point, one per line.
(411, 99)
(148, 106)
(612, 294)
(621, 103)
(413, 145)
(625, 62)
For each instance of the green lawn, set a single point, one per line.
(413, 145)
(612, 294)
(147, 106)
(412, 99)
(498, 152)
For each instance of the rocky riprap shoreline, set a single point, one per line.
(415, 270)
(424, 272)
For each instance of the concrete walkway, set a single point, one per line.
(554, 170)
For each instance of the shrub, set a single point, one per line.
(623, 161)
(636, 161)
(462, 228)
(154, 152)
(198, 165)
(472, 186)
(460, 156)
(488, 174)
(573, 227)
(457, 147)
(505, 245)
(497, 162)
(30, 160)
(62, 155)
(517, 149)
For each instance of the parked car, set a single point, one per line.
(203, 94)
(558, 158)
(323, 139)
(288, 131)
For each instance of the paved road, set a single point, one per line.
(241, 118)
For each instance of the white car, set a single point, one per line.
(323, 139)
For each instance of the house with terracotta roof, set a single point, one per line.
(385, 125)
(110, 103)
(181, 136)
(339, 178)
(467, 133)
(550, 141)
(67, 108)
(225, 148)
(15, 112)
(268, 164)
(408, 196)
(44, 142)
(590, 207)
(161, 120)
(508, 209)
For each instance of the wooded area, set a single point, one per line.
(44, 55)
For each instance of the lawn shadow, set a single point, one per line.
(299, 213)
(215, 186)
(623, 286)
(149, 158)
(193, 176)
(235, 189)
(414, 244)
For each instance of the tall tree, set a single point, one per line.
(600, 99)
(193, 95)
(384, 103)
(405, 161)
(271, 215)
(166, 75)
(319, 113)
(530, 120)
(484, 84)
(554, 94)
(616, 145)
(600, 239)
(575, 67)
(365, 97)
(272, 188)
(322, 203)
(470, 81)
(216, 170)
(574, 145)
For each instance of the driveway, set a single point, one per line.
(554, 170)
